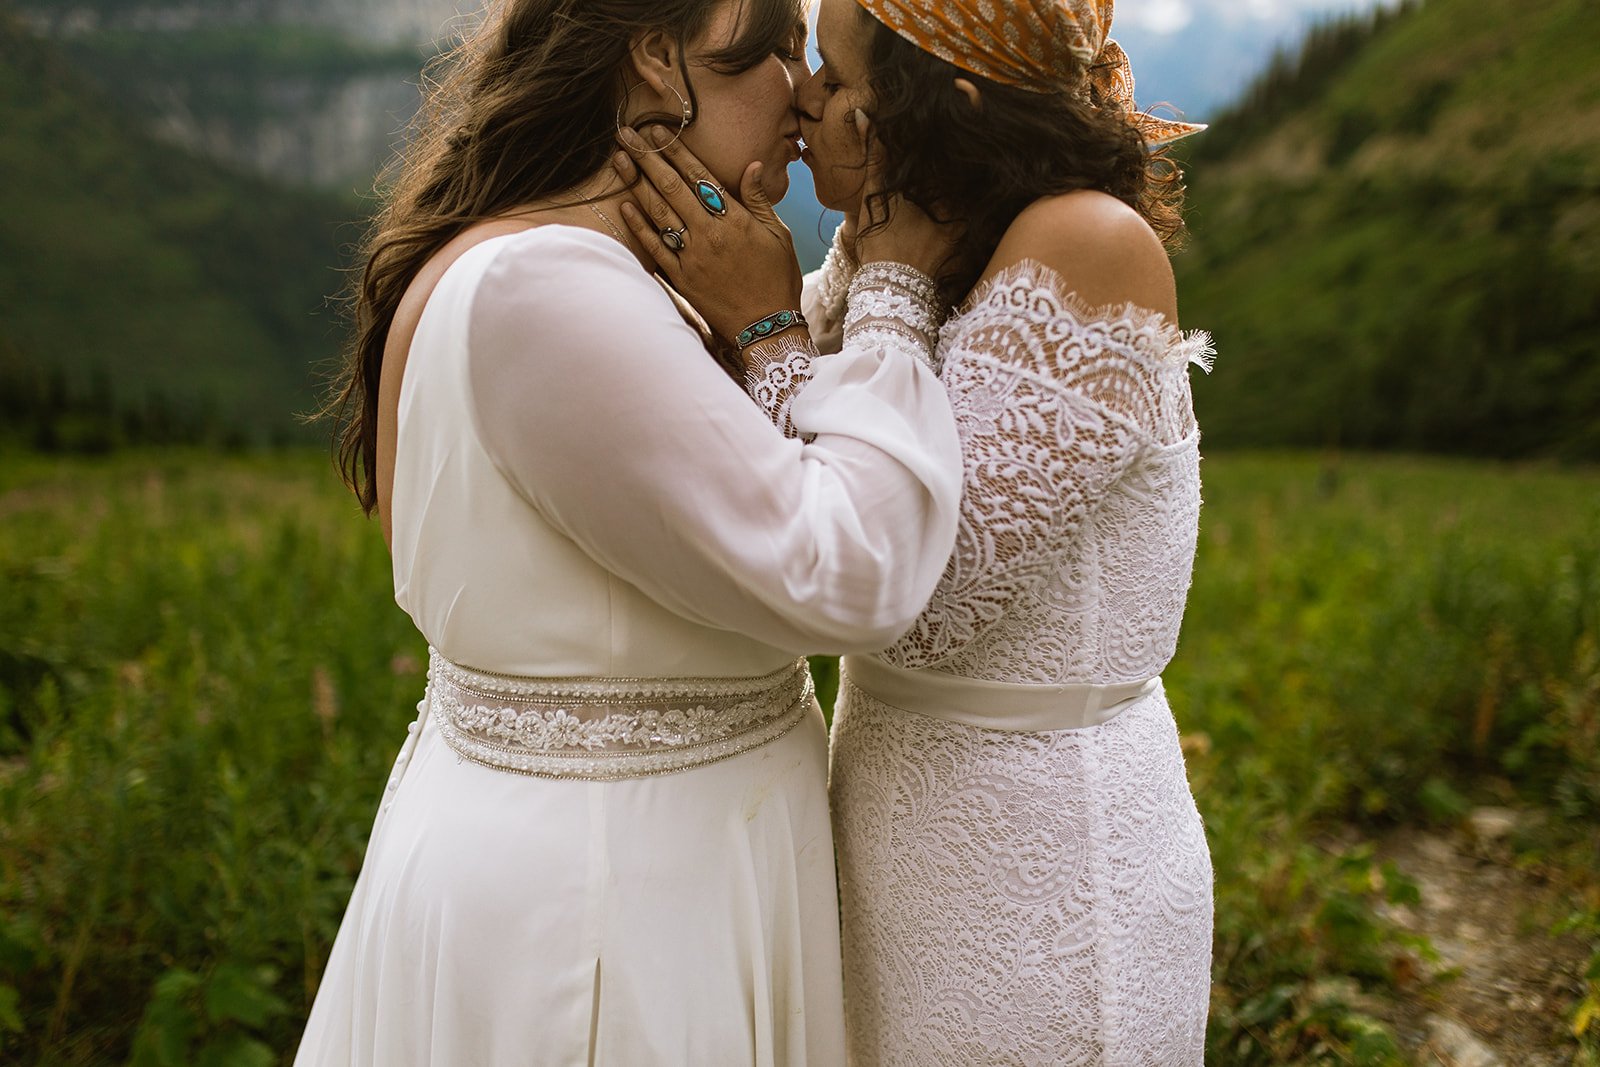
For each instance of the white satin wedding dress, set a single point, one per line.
(607, 839)
(1024, 875)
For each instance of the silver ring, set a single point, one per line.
(673, 239)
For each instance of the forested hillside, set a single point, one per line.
(145, 293)
(1396, 237)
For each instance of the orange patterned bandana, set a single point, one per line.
(1037, 45)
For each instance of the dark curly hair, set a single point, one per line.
(981, 167)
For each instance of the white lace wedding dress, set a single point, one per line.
(1024, 875)
(607, 838)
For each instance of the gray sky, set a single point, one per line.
(1172, 16)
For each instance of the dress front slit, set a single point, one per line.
(461, 944)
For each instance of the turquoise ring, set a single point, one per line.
(712, 197)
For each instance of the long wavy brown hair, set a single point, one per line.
(981, 167)
(522, 110)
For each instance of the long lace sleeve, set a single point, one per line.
(1055, 402)
(600, 406)
(775, 371)
(824, 292)
(894, 305)
(891, 307)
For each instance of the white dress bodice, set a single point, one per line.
(612, 506)
(1081, 495)
(1082, 490)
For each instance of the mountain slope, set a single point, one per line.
(1397, 241)
(135, 278)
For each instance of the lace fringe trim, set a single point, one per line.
(1165, 343)
(606, 729)
(775, 372)
(833, 285)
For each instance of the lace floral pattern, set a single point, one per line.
(1017, 898)
(1080, 508)
(1039, 898)
(604, 729)
(892, 304)
(775, 372)
(833, 285)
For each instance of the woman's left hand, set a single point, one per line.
(736, 267)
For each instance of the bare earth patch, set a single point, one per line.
(1502, 991)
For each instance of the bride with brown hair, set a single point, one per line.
(1025, 878)
(607, 839)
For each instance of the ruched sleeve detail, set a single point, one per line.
(603, 410)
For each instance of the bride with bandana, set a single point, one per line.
(1024, 874)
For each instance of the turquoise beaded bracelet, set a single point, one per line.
(777, 321)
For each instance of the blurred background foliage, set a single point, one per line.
(203, 682)
(148, 295)
(1396, 236)
(1394, 232)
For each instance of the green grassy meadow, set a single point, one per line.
(204, 679)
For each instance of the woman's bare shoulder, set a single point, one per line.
(397, 346)
(1101, 249)
(409, 311)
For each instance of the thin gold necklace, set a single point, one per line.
(603, 217)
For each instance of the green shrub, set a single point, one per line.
(204, 679)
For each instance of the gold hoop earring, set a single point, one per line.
(682, 125)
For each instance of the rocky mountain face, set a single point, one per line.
(380, 22)
(330, 133)
(385, 23)
(315, 93)
(312, 92)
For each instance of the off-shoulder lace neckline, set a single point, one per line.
(1179, 348)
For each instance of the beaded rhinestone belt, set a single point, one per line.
(602, 729)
